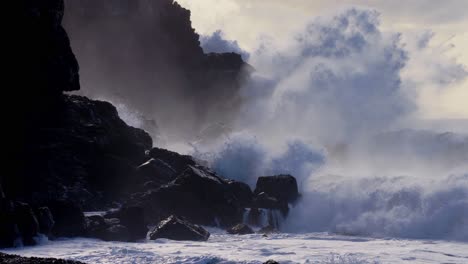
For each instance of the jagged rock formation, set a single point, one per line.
(72, 147)
(197, 194)
(147, 55)
(176, 228)
(81, 150)
(71, 152)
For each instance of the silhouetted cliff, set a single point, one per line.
(65, 147)
(147, 55)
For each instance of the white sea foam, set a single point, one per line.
(286, 248)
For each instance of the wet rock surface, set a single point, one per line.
(176, 228)
(240, 229)
(281, 187)
(199, 195)
(133, 218)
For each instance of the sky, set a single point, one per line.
(250, 21)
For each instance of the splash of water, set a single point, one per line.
(328, 107)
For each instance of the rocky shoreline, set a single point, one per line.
(14, 259)
(76, 154)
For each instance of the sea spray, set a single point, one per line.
(332, 108)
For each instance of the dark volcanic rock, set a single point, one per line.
(175, 228)
(13, 259)
(281, 187)
(263, 200)
(72, 152)
(68, 217)
(26, 222)
(240, 229)
(48, 64)
(156, 171)
(133, 218)
(83, 151)
(117, 233)
(66, 147)
(125, 224)
(242, 192)
(107, 229)
(177, 162)
(94, 225)
(271, 262)
(8, 228)
(199, 195)
(45, 219)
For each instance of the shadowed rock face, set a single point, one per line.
(71, 152)
(147, 55)
(281, 187)
(197, 194)
(81, 150)
(48, 63)
(64, 147)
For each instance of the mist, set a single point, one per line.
(338, 106)
(145, 57)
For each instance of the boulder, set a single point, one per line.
(117, 233)
(68, 217)
(26, 221)
(263, 200)
(175, 161)
(133, 218)
(45, 219)
(281, 187)
(107, 229)
(271, 262)
(9, 232)
(156, 171)
(240, 229)
(199, 195)
(175, 228)
(94, 225)
(242, 192)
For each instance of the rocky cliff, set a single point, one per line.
(147, 55)
(69, 146)
(71, 153)
(67, 152)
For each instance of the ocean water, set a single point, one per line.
(255, 248)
